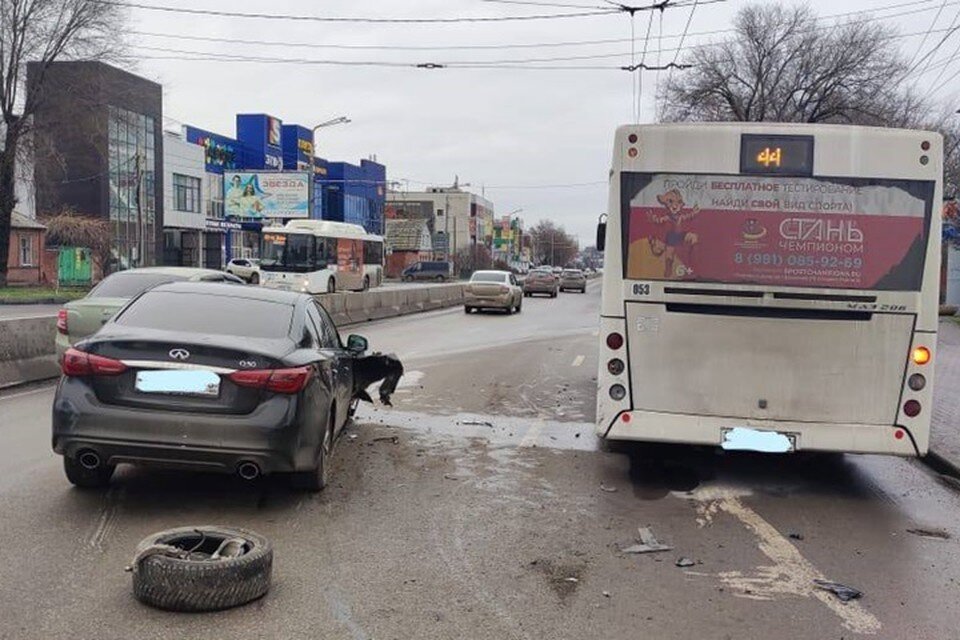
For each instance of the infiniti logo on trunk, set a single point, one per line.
(179, 354)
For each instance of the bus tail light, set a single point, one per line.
(614, 341)
(911, 408)
(921, 355)
(619, 392)
(616, 366)
(916, 382)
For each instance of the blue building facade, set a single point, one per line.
(354, 194)
(343, 192)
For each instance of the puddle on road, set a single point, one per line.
(499, 431)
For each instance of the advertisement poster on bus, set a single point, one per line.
(349, 256)
(267, 195)
(809, 232)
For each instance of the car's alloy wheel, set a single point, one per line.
(331, 286)
(255, 278)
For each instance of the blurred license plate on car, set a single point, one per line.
(184, 383)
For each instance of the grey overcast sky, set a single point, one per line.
(497, 129)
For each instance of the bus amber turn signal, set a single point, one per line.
(921, 355)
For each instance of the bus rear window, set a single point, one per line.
(843, 233)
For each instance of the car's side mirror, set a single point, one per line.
(357, 344)
(602, 233)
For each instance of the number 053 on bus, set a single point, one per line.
(771, 287)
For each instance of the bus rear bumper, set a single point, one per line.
(649, 426)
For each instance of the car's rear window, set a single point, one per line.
(486, 276)
(572, 272)
(127, 285)
(201, 313)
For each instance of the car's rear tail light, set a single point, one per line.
(618, 392)
(80, 363)
(62, 321)
(615, 366)
(921, 355)
(911, 408)
(276, 380)
(614, 341)
(917, 381)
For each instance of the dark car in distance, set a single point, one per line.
(438, 271)
(214, 377)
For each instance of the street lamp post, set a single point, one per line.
(313, 141)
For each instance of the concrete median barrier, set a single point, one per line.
(26, 350)
(27, 344)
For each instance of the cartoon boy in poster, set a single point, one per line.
(674, 237)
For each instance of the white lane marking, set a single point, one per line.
(530, 437)
(577, 361)
(790, 574)
(23, 394)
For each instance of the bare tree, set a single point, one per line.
(44, 32)
(784, 65)
(552, 244)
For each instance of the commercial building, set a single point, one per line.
(267, 151)
(185, 204)
(458, 219)
(98, 150)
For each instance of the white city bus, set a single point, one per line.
(771, 287)
(319, 256)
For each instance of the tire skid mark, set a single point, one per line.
(343, 614)
(790, 574)
(465, 574)
(107, 521)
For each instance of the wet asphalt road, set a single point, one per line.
(494, 516)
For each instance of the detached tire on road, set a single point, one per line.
(178, 584)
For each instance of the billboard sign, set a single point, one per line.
(260, 195)
(220, 153)
(273, 131)
(850, 233)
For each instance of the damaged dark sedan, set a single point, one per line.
(213, 377)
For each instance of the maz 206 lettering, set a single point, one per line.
(873, 306)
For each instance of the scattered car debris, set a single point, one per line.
(477, 423)
(606, 594)
(374, 367)
(937, 534)
(205, 568)
(684, 562)
(390, 439)
(571, 579)
(795, 536)
(648, 543)
(353, 436)
(604, 487)
(842, 591)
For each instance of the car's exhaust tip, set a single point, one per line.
(248, 470)
(89, 460)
